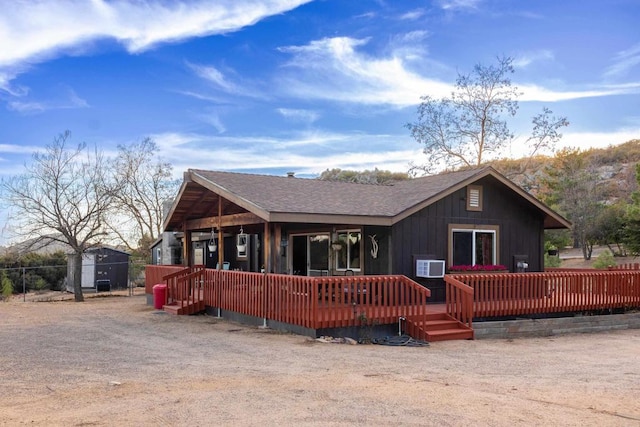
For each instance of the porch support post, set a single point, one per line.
(266, 257)
(220, 235)
(277, 239)
(186, 245)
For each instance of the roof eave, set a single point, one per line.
(232, 197)
(314, 218)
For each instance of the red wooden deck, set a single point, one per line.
(334, 302)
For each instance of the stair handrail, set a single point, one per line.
(459, 300)
(172, 281)
(188, 288)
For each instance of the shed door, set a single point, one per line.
(88, 270)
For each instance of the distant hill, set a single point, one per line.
(36, 246)
(615, 165)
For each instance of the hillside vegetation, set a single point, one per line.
(613, 167)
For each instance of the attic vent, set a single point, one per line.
(291, 174)
(474, 198)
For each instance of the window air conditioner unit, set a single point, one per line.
(430, 268)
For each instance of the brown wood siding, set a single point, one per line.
(426, 232)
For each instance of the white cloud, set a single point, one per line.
(299, 115)
(67, 99)
(537, 93)
(585, 140)
(413, 15)
(214, 120)
(523, 60)
(17, 149)
(335, 69)
(338, 69)
(459, 4)
(624, 61)
(35, 31)
(582, 140)
(215, 77)
(315, 151)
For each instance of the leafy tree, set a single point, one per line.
(572, 187)
(556, 239)
(631, 233)
(375, 176)
(466, 128)
(64, 195)
(43, 271)
(609, 228)
(6, 285)
(147, 184)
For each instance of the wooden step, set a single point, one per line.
(184, 309)
(450, 334)
(438, 325)
(441, 327)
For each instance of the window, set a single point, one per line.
(348, 256)
(474, 198)
(473, 245)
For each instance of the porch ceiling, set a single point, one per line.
(195, 202)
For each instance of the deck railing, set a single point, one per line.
(154, 274)
(459, 299)
(311, 302)
(183, 284)
(497, 295)
(626, 266)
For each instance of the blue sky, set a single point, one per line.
(300, 85)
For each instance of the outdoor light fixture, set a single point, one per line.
(241, 243)
(213, 246)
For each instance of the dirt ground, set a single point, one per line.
(116, 361)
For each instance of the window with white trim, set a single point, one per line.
(473, 246)
(348, 257)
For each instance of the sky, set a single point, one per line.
(270, 86)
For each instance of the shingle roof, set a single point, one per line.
(313, 196)
(287, 199)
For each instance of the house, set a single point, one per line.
(167, 250)
(310, 227)
(103, 268)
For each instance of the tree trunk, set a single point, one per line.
(77, 276)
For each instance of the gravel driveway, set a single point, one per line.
(116, 361)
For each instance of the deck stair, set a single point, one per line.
(440, 327)
(184, 307)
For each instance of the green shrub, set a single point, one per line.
(6, 284)
(604, 260)
(551, 260)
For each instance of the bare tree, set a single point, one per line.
(146, 184)
(64, 196)
(471, 125)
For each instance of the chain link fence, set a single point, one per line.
(21, 280)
